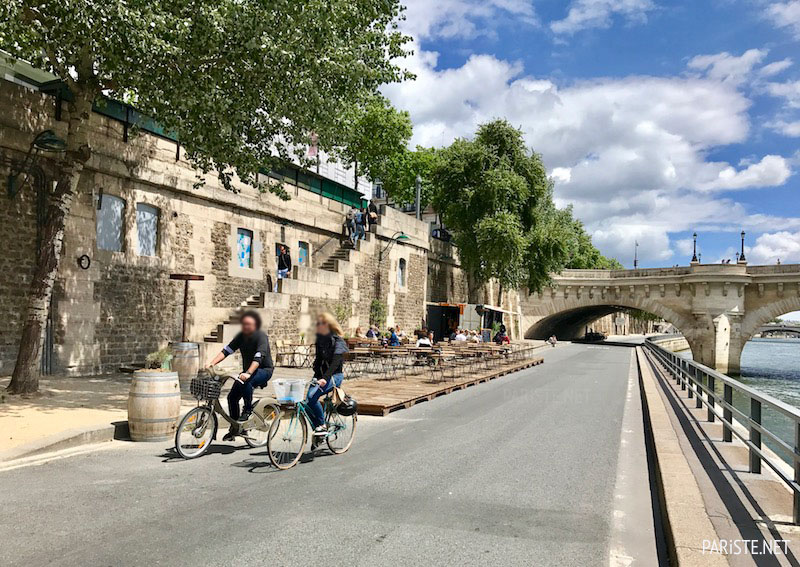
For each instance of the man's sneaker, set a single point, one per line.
(320, 431)
(245, 415)
(229, 436)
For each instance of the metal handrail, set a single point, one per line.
(700, 382)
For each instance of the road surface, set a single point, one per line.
(525, 470)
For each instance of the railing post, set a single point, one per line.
(683, 373)
(727, 432)
(796, 507)
(710, 398)
(699, 381)
(689, 378)
(755, 435)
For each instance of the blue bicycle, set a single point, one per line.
(289, 432)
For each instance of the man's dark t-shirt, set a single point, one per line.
(253, 347)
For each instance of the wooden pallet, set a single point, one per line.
(380, 397)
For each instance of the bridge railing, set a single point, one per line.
(702, 382)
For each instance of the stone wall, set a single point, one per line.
(18, 229)
(124, 305)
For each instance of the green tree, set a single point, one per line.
(495, 197)
(235, 80)
(582, 253)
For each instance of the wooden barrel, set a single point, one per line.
(154, 404)
(185, 360)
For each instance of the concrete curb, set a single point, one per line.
(67, 440)
(686, 520)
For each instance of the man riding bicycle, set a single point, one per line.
(257, 366)
(328, 365)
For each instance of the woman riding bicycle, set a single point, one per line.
(328, 365)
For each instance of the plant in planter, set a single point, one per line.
(377, 313)
(159, 360)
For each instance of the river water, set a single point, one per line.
(772, 366)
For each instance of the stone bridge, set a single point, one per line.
(778, 329)
(717, 307)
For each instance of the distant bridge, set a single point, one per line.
(717, 307)
(778, 329)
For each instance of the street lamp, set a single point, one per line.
(636, 254)
(397, 236)
(694, 249)
(742, 259)
(45, 141)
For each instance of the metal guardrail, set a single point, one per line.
(701, 381)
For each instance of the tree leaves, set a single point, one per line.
(494, 195)
(238, 81)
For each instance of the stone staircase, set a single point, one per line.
(252, 302)
(342, 254)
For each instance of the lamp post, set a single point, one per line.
(694, 249)
(742, 259)
(44, 141)
(635, 254)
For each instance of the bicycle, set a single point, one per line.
(198, 428)
(289, 433)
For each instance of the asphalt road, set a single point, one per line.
(519, 471)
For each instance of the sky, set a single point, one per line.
(655, 119)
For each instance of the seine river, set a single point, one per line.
(773, 367)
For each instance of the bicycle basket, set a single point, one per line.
(205, 388)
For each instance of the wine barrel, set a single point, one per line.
(154, 404)
(186, 360)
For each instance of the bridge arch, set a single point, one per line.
(756, 318)
(567, 317)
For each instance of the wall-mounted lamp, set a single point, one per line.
(45, 141)
(397, 236)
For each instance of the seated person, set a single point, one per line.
(328, 367)
(372, 333)
(394, 340)
(257, 366)
(460, 336)
(424, 342)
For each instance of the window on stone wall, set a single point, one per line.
(401, 272)
(147, 229)
(244, 247)
(110, 223)
(302, 253)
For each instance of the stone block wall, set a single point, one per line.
(124, 305)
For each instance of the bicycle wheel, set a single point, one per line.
(258, 436)
(341, 431)
(287, 439)
(195, 432)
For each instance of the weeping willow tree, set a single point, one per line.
(494, 195)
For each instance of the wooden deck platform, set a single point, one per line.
(380, 397)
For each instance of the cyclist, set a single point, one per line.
(257, 366)
(328, 365)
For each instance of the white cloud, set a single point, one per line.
(586, 14)
(790, 129)
(427, 19)
(771, 171)
(630, 154)
(786, 15)
(729, 68)
(774, 246)
(790, 91)
(775, 67)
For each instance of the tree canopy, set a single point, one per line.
(494, 195)
(236, 80)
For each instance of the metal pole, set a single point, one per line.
(796, 508)
(741, 256)
(682, 370)
(185, 309)
(694, 251)
(699, 400)
(727, 432)
(755, 435)
(690, 379)
(419, 194)
(710, 398)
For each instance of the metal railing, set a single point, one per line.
(701, 382)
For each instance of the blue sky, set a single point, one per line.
(654, 118)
